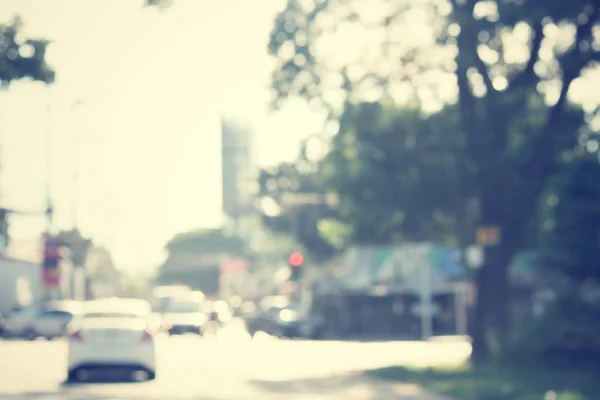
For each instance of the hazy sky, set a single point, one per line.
(152, 87)
(143, 91)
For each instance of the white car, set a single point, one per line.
(184, 316)
(111, 335)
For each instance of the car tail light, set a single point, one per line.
(76, 336)
(146, 336)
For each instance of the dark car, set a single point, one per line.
(276, 316)
(287, 322)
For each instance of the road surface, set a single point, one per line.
(230, 366)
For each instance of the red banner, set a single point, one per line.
(50, 268)
(50, 277)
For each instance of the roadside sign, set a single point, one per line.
(232, 266)
(488, 236)
(51, 277)
(52, 257)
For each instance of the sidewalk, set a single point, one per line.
(355, 386)
(384, 390)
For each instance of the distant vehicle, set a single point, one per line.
(184, 315)
(162, 295)
(289, 321)
(170, 290)
(48, 320)
(279, 317)
(112, 335)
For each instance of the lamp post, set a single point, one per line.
(75, 144)
(52, 290)
(48, 148)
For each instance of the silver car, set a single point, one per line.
(48, 320)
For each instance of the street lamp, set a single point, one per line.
(49, 142)
(75, 143)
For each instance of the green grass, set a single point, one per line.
(498, 383)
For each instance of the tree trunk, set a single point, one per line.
(492, 310)
(479, 335)
(500, 304)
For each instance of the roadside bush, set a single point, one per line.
(567, 335)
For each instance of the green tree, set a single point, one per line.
(21, 57)
(571, 239)
(207, 240)
(516, 131)
(194, 257)
(569, 329)
(307, 224)
(401, 175)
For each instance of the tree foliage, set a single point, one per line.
(511, 63)
(571, 240)
(568, 331)
(401, 175)
(212, 241)
(22, 57)
(308, 223)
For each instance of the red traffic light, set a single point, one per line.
(296, 259)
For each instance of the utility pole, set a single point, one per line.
(52, 290)
(75, 142)
(49, 142)
(295, 223)
(78, 273)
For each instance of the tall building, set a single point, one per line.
(239, 177)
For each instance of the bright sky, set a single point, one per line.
(139, 94)
(152, 86)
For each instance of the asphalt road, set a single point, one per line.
(231, 366)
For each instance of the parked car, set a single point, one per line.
(48, 320)
(267, 317)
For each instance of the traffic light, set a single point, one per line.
(296, 260)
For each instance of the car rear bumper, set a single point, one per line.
(108, 370)
(141, 356)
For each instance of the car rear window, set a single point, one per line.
(123, 314)
(183, 307)
(117, 308)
